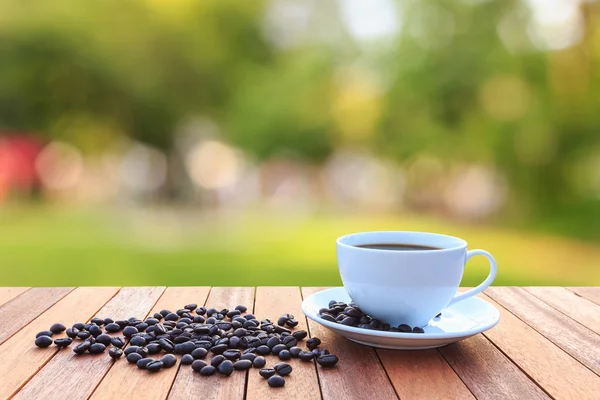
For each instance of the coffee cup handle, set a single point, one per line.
(485, 284)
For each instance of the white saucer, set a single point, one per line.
(459, 321)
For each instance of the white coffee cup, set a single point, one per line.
(406, 287)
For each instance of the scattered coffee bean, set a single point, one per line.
(168, 360)
(43, 341)
(232, 354)
(57, 328)
(143, 362)
(313, 343)
(327, 360)
(283, 369)
(129, 331)
(284, 355)
(197, 365)
(82, 348)
(263, 350)
(199, 353)
(115, 353)
(83, 335)
(259, 362)
(117, 342)
(306, 355)
(187, 359)
(154, 366)
(216, 360)
(72, 332)
(112, 327)
(267, 372)
(137, 341)
(97, 348)
(276, 381)
(241, 308)
(63, 342)
(226, 367)
(133, 358)
(300, 335)
(241, 365)
(295, 351)
(44, 333)
(208, 370)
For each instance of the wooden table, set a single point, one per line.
(547, 345)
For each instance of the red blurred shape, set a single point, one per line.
(18, 151)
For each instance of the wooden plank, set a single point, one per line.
(584, 311)
(76, 377)
(191, 385)
(590, 293)
(21, 359)
(575, 339)
(487, 372)
(557, 372)
(9, 293)
(124, 380)
(302, 383)
(423, 374)
(23, 309)
(358, 375)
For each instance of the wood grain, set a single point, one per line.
(302, 383)
(590, 293)
(21, 359)
(487, 372)
(575, 339)
(191, 385)
(422, 374)
(124, 380)
(540, 358)
(575, 307)
(69, 376)
(23, 309)
(9, 293)
(358, 375)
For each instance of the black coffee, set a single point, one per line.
(397, 247)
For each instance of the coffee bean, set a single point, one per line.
(143, 363)
(226, 367)
(219, 349)
(278, 348)
(276, 381)
(153, 348)
(199, 353)
(97, 321)
(416, 329)
(327, 360)
(143, 352)
(72, 332)
(216, 360)
(43, 341)
(292, 323)
(168, 360)
(82, 348)
(201, 311)
(241, 308)
(349, 321)
(272, 342)
(57, 328)
(266, 372)
(141, 327)
(404, 328)
(313, 343)
(353, 312)
(191, 306)
(83, 335)
(104, 339)
(316, 352)
(151, 321)
(187, 347)
(187, 359)
(241, 365)
(295, 351)
(259, 362)
(154, 366)
(131, 349)
(306, 355)
(112, 327)
(117, 341)
(263, 350)
(129, 331)
(197, 365)
(290, 341)
(79, 325)
(282, 320)
(115, 353)
(166, 345)
(249, 316)
(171, 317)
(138, 341)
(208, 370)
(97, 348)
(340, 317)
(248, 356)
(232, 354)
(233, 313)
(285, 355)
(300, 335)
(63, 342)
(283, 369)
(44, 333)
(328, 317)
(133, 358)
(385, 327)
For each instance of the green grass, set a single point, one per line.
(50, 246)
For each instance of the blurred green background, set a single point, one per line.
(188, 142)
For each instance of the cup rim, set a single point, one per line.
(463, 243)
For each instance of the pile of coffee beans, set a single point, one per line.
(350, 315)
(235, 340)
